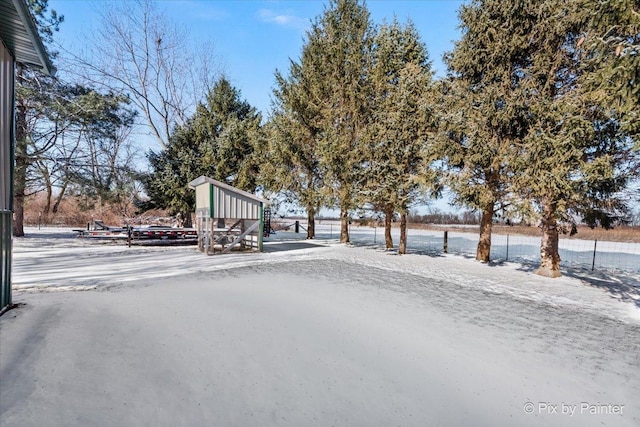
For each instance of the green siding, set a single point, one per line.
(212, 199)
(6, 218)
(261, 227)
(7, 137)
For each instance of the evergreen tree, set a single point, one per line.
(337, 55)
(576, 157)
(483, 109)
(291, 164)
(400, 79)
(230, 130)
(172, 169)
(220, 141)
(610, 53)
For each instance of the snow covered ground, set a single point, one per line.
(311, 333)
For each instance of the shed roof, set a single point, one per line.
(206, 180)
(19, 33)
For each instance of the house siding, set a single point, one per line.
(7, 68)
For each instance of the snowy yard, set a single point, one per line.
(311, 333)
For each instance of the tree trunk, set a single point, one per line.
(20, 172)
(311, 223)
(344, 226)
(388, 217)
(47, 206)
(483, 254)
(56, 204)
(187, 221)
(402, 247)
(549, 256)
(21, 162)
(49, 189)
(20, 177)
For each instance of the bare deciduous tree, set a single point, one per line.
(138, 51)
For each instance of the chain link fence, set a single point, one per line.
(574, 253)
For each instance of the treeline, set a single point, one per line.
(435, 217)
(536, 120)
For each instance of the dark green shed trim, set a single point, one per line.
(261, 235)
(6, 228)
(212, 199)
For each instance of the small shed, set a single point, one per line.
(227, 217)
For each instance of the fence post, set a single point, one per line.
(297, 228)
(331, 231)
(507, 256)
(593, 263)
(375, 231)
(446, 242)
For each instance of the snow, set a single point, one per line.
(311, 333)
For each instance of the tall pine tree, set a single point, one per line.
(576, 157)
(219, 141)
(291, 164)
(402, 118)
(483, 109)
(338, 54)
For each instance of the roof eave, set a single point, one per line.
(32, 32)
(205, 179)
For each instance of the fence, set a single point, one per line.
(575, 253)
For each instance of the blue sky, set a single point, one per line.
(254, 38)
